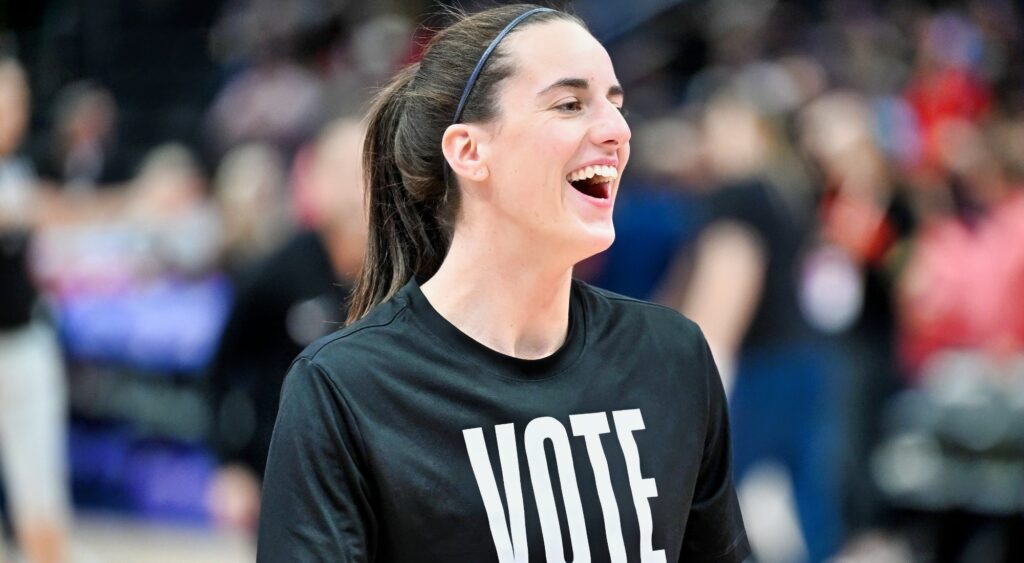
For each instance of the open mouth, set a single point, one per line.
(593, 181)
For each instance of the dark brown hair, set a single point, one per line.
(412, 209)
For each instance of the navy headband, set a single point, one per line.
(487, 54)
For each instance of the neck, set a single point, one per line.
(505, 299)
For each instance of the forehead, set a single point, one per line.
(545, 52)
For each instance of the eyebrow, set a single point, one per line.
(579, 84)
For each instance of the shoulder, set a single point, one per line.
(333, 377)
(369, 335)
(350, 353)
(606, 306)
(650, 330)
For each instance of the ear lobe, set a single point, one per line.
(460, 145)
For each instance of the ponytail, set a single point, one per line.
(407, 236)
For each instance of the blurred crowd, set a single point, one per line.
(832, 190)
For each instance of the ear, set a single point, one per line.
(461, 145)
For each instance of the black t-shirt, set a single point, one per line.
(17, 289)
(399, 438)
(784, 234)
(291, 299)
(17, 293)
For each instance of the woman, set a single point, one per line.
(33, 393)
(461, 415)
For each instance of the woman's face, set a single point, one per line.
(558, 147)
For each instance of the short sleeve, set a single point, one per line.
(316, 504)
(714, 528)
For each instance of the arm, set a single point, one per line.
(728, 276)
(316, 504)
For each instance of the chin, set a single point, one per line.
(595, 241)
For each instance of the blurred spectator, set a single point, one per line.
(151, 57)
(294, 62)
(278, 102)
(961, 289)
(169, 206)
(375, 48)
(249, 191)
(295, 296)
(954, 454)
(249, 30)
(32, 390)
(744, 294)
(82, 151)
(947, 85)
(865, 223)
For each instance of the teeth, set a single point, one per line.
(588, 172)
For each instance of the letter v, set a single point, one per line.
(511, 547)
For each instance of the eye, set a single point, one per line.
(570, 106)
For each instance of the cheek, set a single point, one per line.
(536, 161)
(530, 166)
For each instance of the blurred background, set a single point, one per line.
(832, 189)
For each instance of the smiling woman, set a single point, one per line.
(461, 415)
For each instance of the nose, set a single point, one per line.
(610, 128)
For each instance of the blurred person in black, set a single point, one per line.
(32, 391)
(748, 266)
(82, 154)
(298, 294)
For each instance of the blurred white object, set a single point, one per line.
(875, 547)
(831, 289)
(769, 514)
